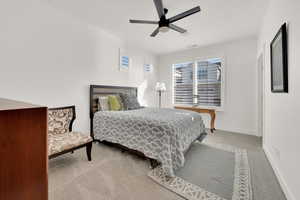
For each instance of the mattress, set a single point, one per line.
(161, 134)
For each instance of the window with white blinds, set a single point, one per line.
(209, 82)
(198, 83)
(183, 76)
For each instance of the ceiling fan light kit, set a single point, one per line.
(164, 24)
(163, 29)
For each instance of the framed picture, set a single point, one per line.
(124, 60)
(279, 61)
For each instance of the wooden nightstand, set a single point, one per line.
(211, 112)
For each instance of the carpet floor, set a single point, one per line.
(116, 175)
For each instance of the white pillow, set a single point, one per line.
(103, 103)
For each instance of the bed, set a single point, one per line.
(160, 134)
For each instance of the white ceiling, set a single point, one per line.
(219, 20)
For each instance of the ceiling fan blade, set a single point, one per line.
(155, 32)
(185, 14)
(142, 21)
(159, 7)
(177, 28)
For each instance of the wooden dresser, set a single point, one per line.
(23, 151)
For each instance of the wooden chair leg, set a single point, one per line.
(89, 150)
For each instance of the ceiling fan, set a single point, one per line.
(165, 24)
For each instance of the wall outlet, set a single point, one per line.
(276, 152)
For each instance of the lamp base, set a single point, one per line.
(159, 96)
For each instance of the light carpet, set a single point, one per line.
(113, 175)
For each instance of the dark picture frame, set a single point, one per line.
(279, 61)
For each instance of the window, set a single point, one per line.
(125, 61)
(198, 83)
(183, 87)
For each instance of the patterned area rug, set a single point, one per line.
(217, 156)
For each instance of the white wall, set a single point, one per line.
(281, 137)
(240, 110)
(50, 58)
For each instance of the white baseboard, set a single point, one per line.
(241, 131)
(281, 180)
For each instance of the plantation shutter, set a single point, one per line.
(183, 83)
(209, 82)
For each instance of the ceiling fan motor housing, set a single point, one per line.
(163, 21)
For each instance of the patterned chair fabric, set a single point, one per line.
(60, 135)
(61, 142)
(59, 120)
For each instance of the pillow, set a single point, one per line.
(130, 101)
(103, 103)
(120, 101)
(114, 103)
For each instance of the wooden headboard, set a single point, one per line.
(104, 90)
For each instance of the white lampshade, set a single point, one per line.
(160, 87)
(157, 87)
(163, 87)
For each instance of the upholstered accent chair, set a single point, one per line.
(61, 138)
